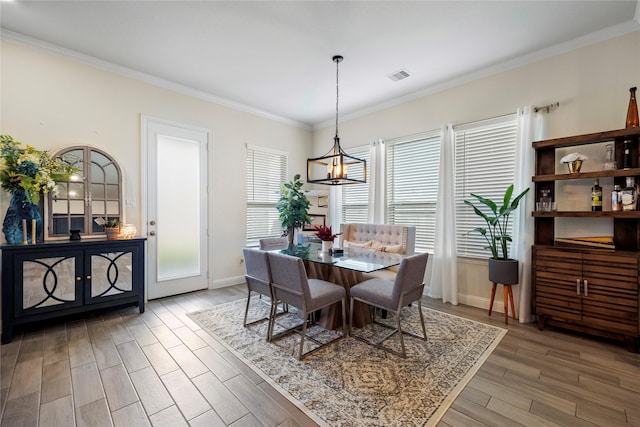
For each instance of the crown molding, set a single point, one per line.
(579, 42)
(146, 78)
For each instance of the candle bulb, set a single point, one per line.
(33, 231)
(24, 231)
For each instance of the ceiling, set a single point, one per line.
(274, 57)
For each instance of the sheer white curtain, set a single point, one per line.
(444, 273)
(530, 126)
(376, 175)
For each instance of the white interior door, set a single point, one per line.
(177, 208)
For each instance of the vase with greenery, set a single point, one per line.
(496, 234)
(293, 207)
(27, 173)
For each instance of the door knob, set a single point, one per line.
(152, 233)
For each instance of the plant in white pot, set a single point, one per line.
(327, 236)
(293, 207)
(502, 269)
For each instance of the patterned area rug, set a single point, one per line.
(350, 383)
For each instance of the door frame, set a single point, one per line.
(145, 121)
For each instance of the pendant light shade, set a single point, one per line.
(336, 167)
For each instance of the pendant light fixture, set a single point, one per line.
(332, 168)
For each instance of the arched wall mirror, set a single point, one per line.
(92, 194)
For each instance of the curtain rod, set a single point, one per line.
(546, 107)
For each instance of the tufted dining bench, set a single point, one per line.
(380, 237)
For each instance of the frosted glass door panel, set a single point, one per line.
(178, 198)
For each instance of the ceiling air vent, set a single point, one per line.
(399, 75)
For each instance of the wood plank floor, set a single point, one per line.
(159, 368)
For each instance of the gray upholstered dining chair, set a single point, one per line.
(273, 243)
(258, 278)
(393, 296)
(290, 284)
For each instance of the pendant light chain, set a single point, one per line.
(337, 91)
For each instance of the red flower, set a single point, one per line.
(324, 233)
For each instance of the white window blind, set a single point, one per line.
(266, 170)
(485, 165)
(412, 185)
(355, 198)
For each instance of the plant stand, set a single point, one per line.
(508, 298)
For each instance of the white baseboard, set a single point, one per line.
(229, 281)
(480, 302)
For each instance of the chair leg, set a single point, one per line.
(345, 325)
(350, 314)
(272, 319)
(399, 328)
(246, 310)
(493, 295)
(304, 333)
(424, 330)
(398, 314)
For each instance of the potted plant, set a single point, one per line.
(502, 269)
(293, 207)
(112, 228)
(325, 234)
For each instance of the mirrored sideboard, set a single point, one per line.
(63, 278)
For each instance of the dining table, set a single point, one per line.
(346, 267)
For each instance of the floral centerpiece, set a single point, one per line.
(27, 173)
(325, 234)
(31, 171)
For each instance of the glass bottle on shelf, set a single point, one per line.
(616, 198)
(632, 111)
(545, 200)
(596, 196)
(610, 159)
(626, 159)
(629, 195)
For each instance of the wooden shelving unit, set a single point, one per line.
(593, 291)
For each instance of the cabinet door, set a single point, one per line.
(610, 295)
(46, 282)
(557, 294)
(111, 273)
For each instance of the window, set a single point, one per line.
(266, 170)
(355, 198)
(92, 193)
(412, 185)
(485, 165)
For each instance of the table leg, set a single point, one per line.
(331, 317)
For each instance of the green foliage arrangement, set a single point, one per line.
(112, 223)
(497, 221)
(293, 205)
(29, 170)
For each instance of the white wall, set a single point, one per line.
(591, 83)
(51, 102)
